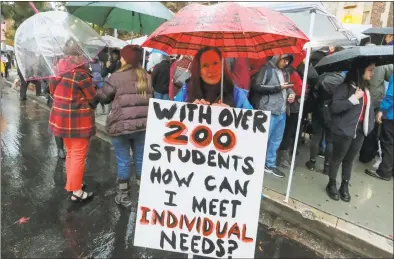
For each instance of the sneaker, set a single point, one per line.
(123, 195)
(275, 171)
(268, 170)
(322, 154)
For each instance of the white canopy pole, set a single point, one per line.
(308, 55)
(143, 58)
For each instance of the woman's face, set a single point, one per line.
(210, 67)
(368, 73)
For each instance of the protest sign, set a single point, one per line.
(201, 179)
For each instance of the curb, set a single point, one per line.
(354, 238)
(345, 234)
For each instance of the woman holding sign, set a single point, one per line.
(204, 84)
(129, 90)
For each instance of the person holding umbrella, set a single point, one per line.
(72, 117)
(352, 111)
(352, 120)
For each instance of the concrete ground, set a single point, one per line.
(371, 205)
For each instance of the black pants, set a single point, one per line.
(387, 144)
(345, 150)
(37, 85)
(290, 131)
(318, 131)
(6, 71)
(22, 91)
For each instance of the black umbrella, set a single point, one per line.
(377, 35)
(356, 57)
(380, 31)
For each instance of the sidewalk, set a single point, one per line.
(364, 226)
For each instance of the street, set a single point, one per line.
(38, 220)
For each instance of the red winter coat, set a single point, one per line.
(71, 115)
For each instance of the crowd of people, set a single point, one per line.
(343, 106)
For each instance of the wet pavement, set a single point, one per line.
(39, 221)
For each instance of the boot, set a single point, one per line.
(311, 165)
(60, 148)
(283, 159)
(332, 190)
(344, 191)
(123, 193)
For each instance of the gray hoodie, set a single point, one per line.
(266, 93)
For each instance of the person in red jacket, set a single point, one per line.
(72, 116)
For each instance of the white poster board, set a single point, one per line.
(201, 179)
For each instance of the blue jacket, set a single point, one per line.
(387, 105)
(240, 97)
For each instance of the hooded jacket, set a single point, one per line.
(377, 89)
(387, 105)
(266, 93)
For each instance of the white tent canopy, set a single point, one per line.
(328, 30)
(357, 30)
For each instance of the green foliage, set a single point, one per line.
(20, 11)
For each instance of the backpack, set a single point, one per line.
(268, 77)
(96, 73)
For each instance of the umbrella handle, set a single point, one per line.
(221, 81)
(34, 7)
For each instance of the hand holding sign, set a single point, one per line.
(202, 179)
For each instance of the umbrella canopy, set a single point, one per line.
(237, 31)
(356, 57)
(45, 37)
(140, 17)
(328, 29)
(379, 31)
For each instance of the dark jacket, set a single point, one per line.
(266, 93)
(129, 108)
(346, 110)
(161, 77)
(115, 65)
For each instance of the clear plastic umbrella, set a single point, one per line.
(43, 39)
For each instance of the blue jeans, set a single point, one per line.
(275, 135)
(161, 96)
(122, 145)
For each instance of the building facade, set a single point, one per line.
(379, 14)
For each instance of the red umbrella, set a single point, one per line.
(236, 30)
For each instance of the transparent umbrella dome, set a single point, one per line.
(43, 39)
